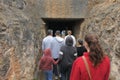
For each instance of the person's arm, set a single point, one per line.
(55, 62)
(60, 55)
(75, 72)
(74, 40)
(75, 52)
(43, 46)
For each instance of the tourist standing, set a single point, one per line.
(80, 48)
(46, 63)
(46, 43)
(56, 45)
(69, 32)
(68, 54)
(94, 64)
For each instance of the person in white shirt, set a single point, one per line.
(57, 42)
(47, 41)
(69, 32)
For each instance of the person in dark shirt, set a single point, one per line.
(80, 48)
(67, 55)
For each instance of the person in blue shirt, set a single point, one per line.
(46, 43)
(57, 42)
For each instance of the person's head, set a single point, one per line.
(47, 52)
(69, 32)
(80, 41)
(57, 33)
(49, 32)
(96, 52)
(69, 41)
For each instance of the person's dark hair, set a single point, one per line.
(49, 32)
(57, 32)
(80, 41)
(96, 51)
(69, 41)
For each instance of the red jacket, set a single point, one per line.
(100, 72)
(46, 60)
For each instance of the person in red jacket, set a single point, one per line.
(98, 62)
(46, 62)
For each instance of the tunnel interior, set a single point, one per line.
(63, 25)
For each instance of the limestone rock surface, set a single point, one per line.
(104, 20)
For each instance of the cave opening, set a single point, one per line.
(63, 25)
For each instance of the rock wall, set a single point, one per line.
(20, 37)
(64, 8)
(104, 20)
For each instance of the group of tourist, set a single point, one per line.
(66, 61)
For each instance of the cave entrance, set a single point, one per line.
(63, 25)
